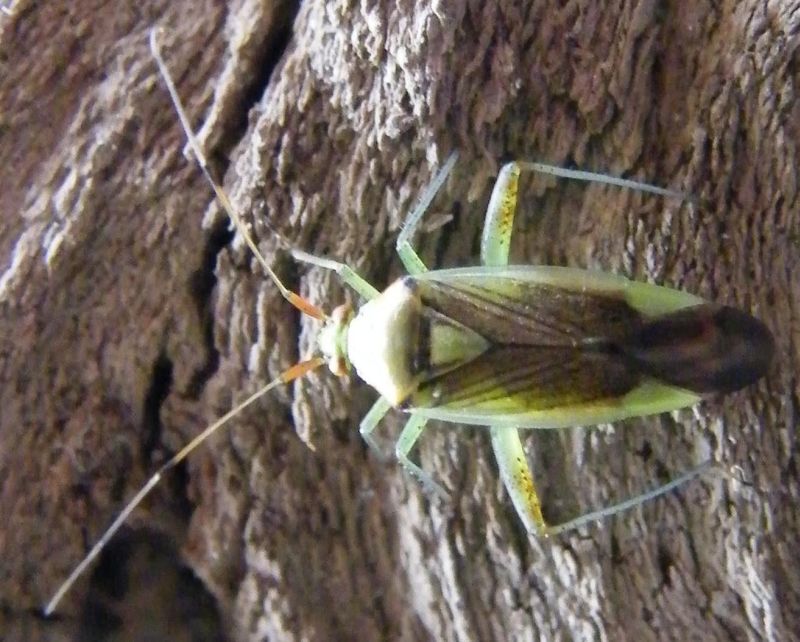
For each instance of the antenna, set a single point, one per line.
(292, 373)
(305, 306)
(297, 370)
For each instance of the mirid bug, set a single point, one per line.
(507, 347)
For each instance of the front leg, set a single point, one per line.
(345, 272)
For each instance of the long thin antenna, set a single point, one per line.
(297, 370)
(306, 307)
(291, 374)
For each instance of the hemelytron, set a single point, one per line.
(505, 346)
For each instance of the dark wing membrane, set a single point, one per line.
(515, 379)
(705, 348)
(515, 312)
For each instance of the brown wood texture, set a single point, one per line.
(130, 318)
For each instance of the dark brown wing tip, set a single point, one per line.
(751, 348)
(704, 349)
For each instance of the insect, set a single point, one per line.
(507, 347)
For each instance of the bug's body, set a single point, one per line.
(537, 352)
(546, 347)
(508, 347)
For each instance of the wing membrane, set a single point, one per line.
(516, 312)
(519, 379)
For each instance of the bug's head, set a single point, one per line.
(332, 341)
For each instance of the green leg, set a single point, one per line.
(499, 223)
(345, 272)
(408, 438)
(630, 502)
(411, 432)
(517, 478)
(408, 256)
(594, 177)
(371, 421)
(519, 483)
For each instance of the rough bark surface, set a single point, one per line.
(131, 318)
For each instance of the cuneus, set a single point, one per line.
(508, 347)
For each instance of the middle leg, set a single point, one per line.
(411, 432)
(408, 256)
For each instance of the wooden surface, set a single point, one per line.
(130, 317)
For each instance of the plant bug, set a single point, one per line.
(506, 347)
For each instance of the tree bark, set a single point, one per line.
(132, 317)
